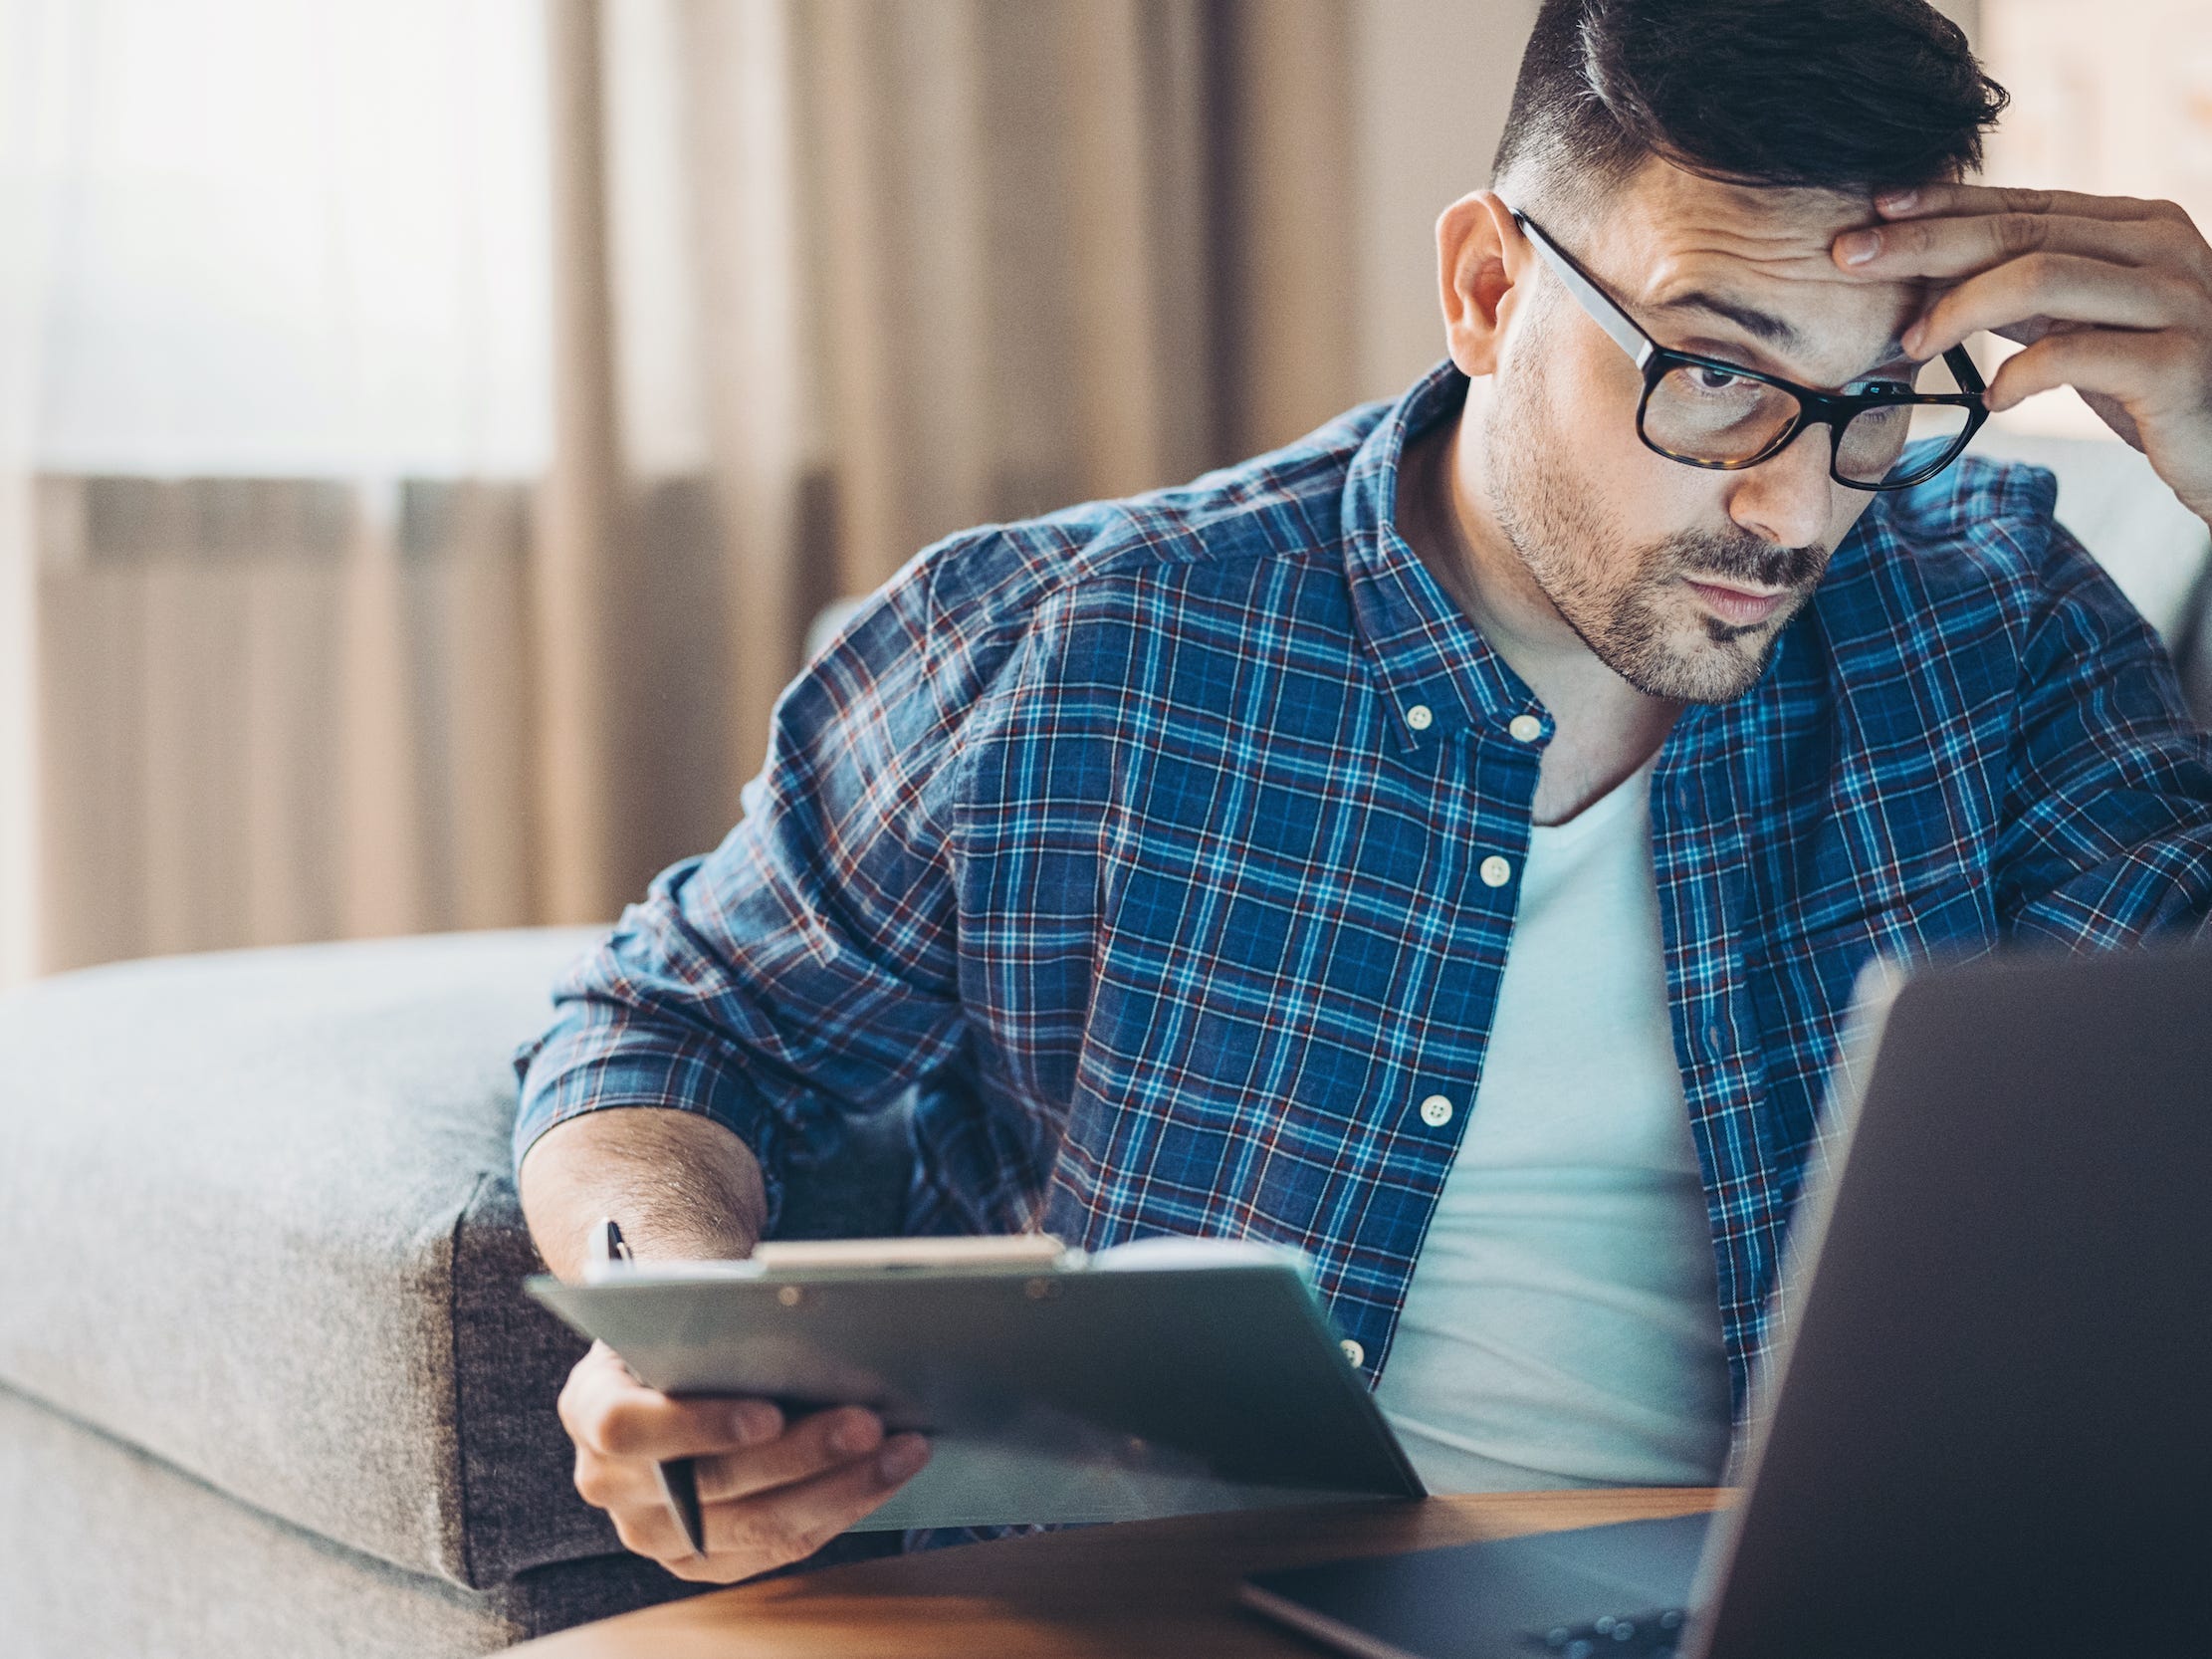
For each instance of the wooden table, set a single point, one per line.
(1163, 1588)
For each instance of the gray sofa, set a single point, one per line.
(268, 1381)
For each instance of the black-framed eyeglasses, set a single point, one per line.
(1708, 413)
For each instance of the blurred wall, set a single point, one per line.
(2110, 99)
(1433, 81)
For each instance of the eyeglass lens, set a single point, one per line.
(1705, 414)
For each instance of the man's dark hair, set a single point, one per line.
(1843, 95)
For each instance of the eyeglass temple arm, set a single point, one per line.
(1608, 315)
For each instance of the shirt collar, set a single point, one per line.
(1437, 672)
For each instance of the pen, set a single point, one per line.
(679, 1477)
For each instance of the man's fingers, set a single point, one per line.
(2061, 287)
(2125, 366)
(818, 1442)
(1950, 248)
(648, 1530)
(748, 1536)
(2112, 296)
(1936, 199)
(614, 1483)
(783, 1526)
(608, 1412)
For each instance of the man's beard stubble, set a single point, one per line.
(1610, 600)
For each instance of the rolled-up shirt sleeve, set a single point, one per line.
(805, 970)
(2108, 835)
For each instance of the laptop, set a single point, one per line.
(1987, 1424)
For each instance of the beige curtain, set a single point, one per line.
(280, 710)
(845, 276)
(832, 278)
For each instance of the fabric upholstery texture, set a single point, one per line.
(107, 1553)
(245, 1175)
(279, 1246)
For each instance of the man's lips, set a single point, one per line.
(1739, 605)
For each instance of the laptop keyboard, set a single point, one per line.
(1650, 1635)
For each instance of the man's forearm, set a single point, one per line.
(681, 1185)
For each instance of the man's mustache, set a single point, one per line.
(1744, 558)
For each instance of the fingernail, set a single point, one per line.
(1897, 202)
(853, 1436)
(1911, 337)
(902, 1458)
(754, 1421)
(1859, 246)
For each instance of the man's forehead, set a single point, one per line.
(1685, 248)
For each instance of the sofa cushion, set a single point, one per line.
(244, 1196)
(202, 1577)
(260, 1222)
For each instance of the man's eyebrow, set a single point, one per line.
(1762, 324)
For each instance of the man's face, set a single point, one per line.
(1679, 579)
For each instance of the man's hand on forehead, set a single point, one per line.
(2110, 296)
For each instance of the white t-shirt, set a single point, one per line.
(1562, 1327)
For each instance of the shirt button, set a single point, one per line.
(1526, 728)
(1495, 871)
(1418, 717)
(1354, 1352)
(1436, 1111)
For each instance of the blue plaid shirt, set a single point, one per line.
(1145, 838)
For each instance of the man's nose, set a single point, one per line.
(1787, 498)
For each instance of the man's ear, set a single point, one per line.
(1480, 254)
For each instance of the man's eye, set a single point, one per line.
(1713, 379)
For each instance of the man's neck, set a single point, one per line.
(1606, 728)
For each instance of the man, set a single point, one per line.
(1448, 844)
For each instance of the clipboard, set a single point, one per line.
(1166, 1376)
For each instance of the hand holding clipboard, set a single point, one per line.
(1163, 1377)
(770, 1479)
(679, 1477)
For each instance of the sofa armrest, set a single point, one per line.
(277, 1243)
